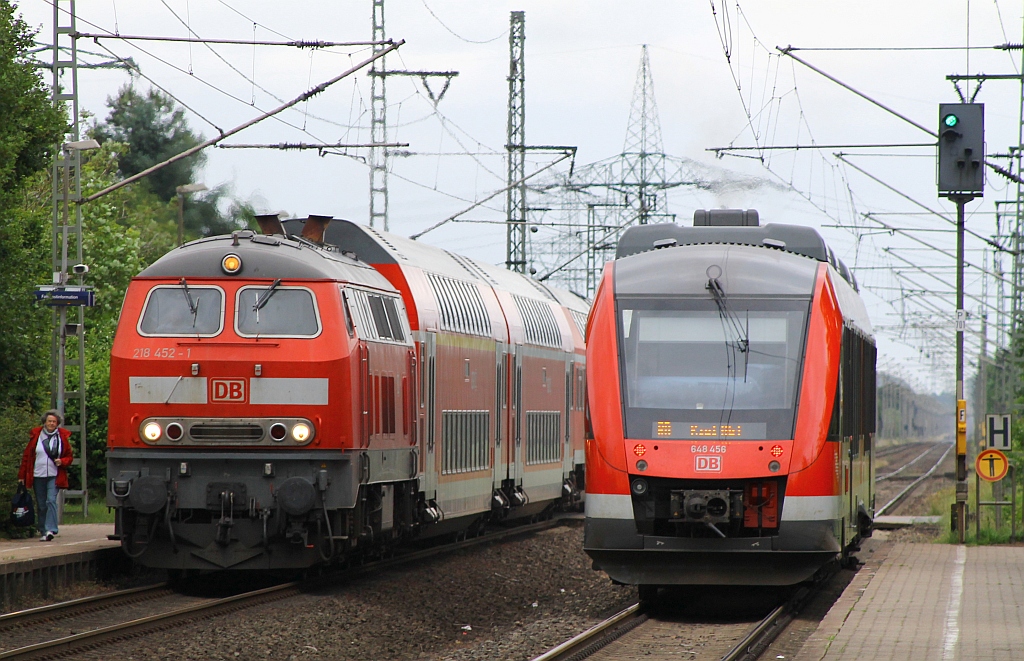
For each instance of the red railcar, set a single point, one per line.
(731, 395)
(281, 400)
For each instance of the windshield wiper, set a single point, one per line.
(264, 297)
(740, 331)
(193, 307)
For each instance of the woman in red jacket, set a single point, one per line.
(44, 466)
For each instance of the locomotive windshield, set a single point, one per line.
(182, 310)
(693, 369)
(276, 311)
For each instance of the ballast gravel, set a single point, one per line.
(509, 600)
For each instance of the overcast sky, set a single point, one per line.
(581, 66)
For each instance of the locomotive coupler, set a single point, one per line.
(224, 525)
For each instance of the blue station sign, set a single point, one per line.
(56, 295)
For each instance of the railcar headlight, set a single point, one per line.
(639, 487)
(774, 466)
(231, 264)
(152, 431)
(301, 432)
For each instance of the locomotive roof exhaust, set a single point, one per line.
(270, 223)
(315, 227)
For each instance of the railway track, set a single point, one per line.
(907, 490)
(82, 625)
(654, 635)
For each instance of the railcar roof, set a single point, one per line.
(791, 238)
(264, 257)
(744, 271)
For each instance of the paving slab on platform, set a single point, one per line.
(72, 539)
(892, 522)
(928, 601)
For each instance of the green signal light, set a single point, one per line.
(951, 120)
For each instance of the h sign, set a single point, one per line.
(999, 432)
(228, 390)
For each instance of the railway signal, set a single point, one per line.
(961, 178)
(961, 149)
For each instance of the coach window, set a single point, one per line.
(276, 311)
(182, 310)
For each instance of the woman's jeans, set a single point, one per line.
(46, 503)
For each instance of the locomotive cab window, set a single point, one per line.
(691, 370)
(276, 311)
(182, 310)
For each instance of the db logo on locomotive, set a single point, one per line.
(228, 390)
(710, 464)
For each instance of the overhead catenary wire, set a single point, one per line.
(240, 42)
(299, 99)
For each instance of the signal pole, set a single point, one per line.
(961, 156)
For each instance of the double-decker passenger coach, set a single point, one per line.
(731, 392)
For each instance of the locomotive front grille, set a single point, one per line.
(225, 432)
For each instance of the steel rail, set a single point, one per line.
(141, 626)
(913, 485)
(748, 648)
(596, 636)
(773, 624)
(84, 604)
(904, 467)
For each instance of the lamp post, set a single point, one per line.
(181, 191)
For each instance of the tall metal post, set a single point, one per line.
(961, 421)
(515, 198)
(67, 236)
(378, 127)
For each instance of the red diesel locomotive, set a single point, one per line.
(280, 400)
(732, 402)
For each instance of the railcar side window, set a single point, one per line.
(279, 311)
(183, 311)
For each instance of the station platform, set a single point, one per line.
(928, 601)
(79, 552)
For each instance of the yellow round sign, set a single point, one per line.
(991, 465)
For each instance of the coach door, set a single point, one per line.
(501, 414)
(428, 413)
(567, 418)
(515, 446)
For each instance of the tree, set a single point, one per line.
(154, 129)
(30, 128)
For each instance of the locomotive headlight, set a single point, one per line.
(774, 466)
(152, 431)
(639, 487)
(231, 264)
(301, 432)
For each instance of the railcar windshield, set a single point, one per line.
(692, 369)
(276, 311)
(182, 310)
